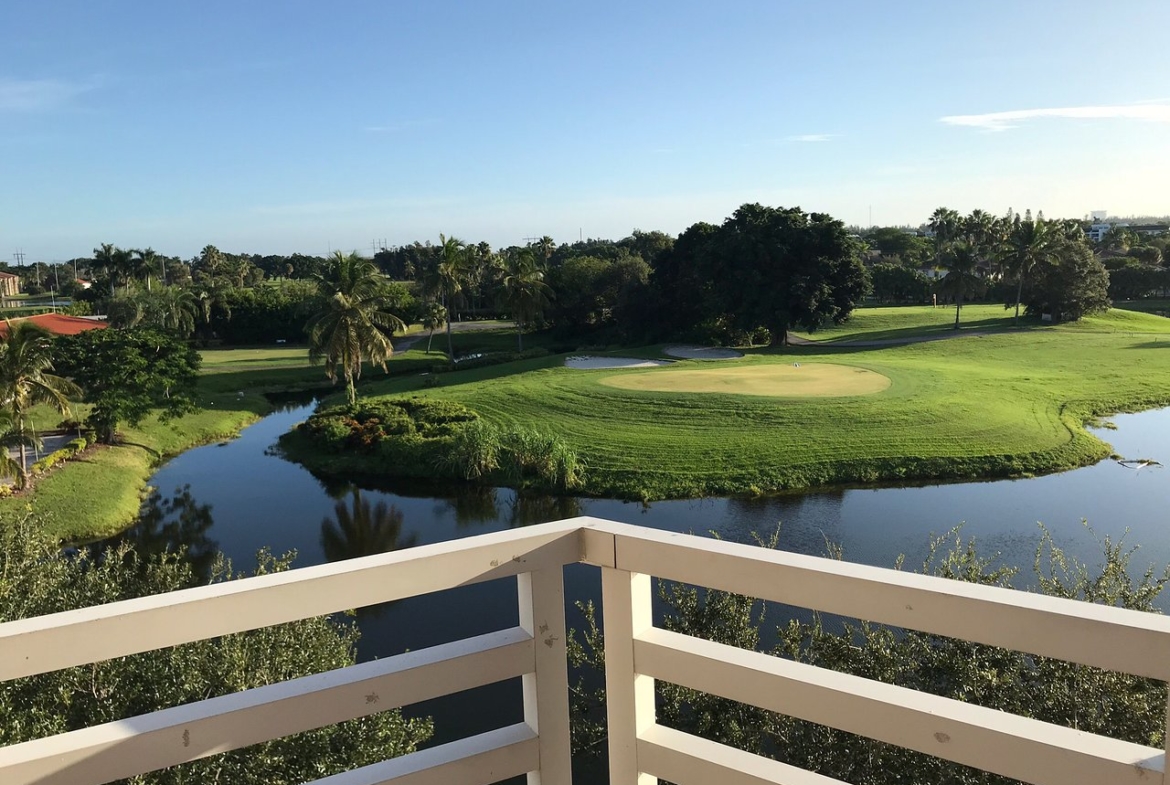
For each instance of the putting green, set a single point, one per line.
(808, 380)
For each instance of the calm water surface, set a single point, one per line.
(240, 497)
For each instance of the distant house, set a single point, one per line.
(9, 284)
(83, 283)
(56, 323)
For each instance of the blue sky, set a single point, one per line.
(276, 127)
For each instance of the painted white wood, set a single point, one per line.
(629, 695)
(546, 690)
(636, 653)
(690, 760)
(478, 760)
(116, 750)
(994, 741)
(79, 637)
(1111, 638)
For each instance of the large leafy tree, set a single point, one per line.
(352, 324)
(128, 374)
(962, 279)
(40, 579)
(27, 378)
(767, 267)
(523, 290)
(1074, 283)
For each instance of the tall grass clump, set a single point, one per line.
(532, 456)
(474, 451)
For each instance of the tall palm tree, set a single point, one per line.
(352, 324)
(145, 261)
(523, 290)
(1028, 243)
(945, 223)
(450, 276)
(105, 256)
(961, 279)
(26, 378)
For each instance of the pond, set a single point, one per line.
(239, 497)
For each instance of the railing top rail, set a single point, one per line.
(1107, 637)
(1112, 638)
(79, 637)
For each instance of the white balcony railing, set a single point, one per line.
(636, 653)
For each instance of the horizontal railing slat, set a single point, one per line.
(684, 759)
(1106, 637)
(477, 760)
(117, 750)
(1007, 744)
(62, 640)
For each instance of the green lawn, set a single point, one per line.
(1010, 403)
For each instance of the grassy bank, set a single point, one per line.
(1010, 403)
(100, 493)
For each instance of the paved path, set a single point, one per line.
(796, 340)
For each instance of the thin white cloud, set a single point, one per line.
(38, 95)
(811, 138)
(1002, 121)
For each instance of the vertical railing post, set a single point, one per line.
(546, 692)
(1166, 746)
(629, 696)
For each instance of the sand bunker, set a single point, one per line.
(797, 380)
(586, 363)
(701, 353)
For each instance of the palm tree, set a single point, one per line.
(352, 324)
(945, 223)
(1028, 242)
(171, 308)
(105, 256)
(449, 276)
(961, 278)
(523, 290)
(26, 378)
(145, 262)
(434, 316)
(11, 437)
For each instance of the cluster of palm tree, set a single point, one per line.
(516, 278)
(980, 247)
(123, 266)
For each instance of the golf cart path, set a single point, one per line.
(796, 340)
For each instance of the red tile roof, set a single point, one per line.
(56, 323)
